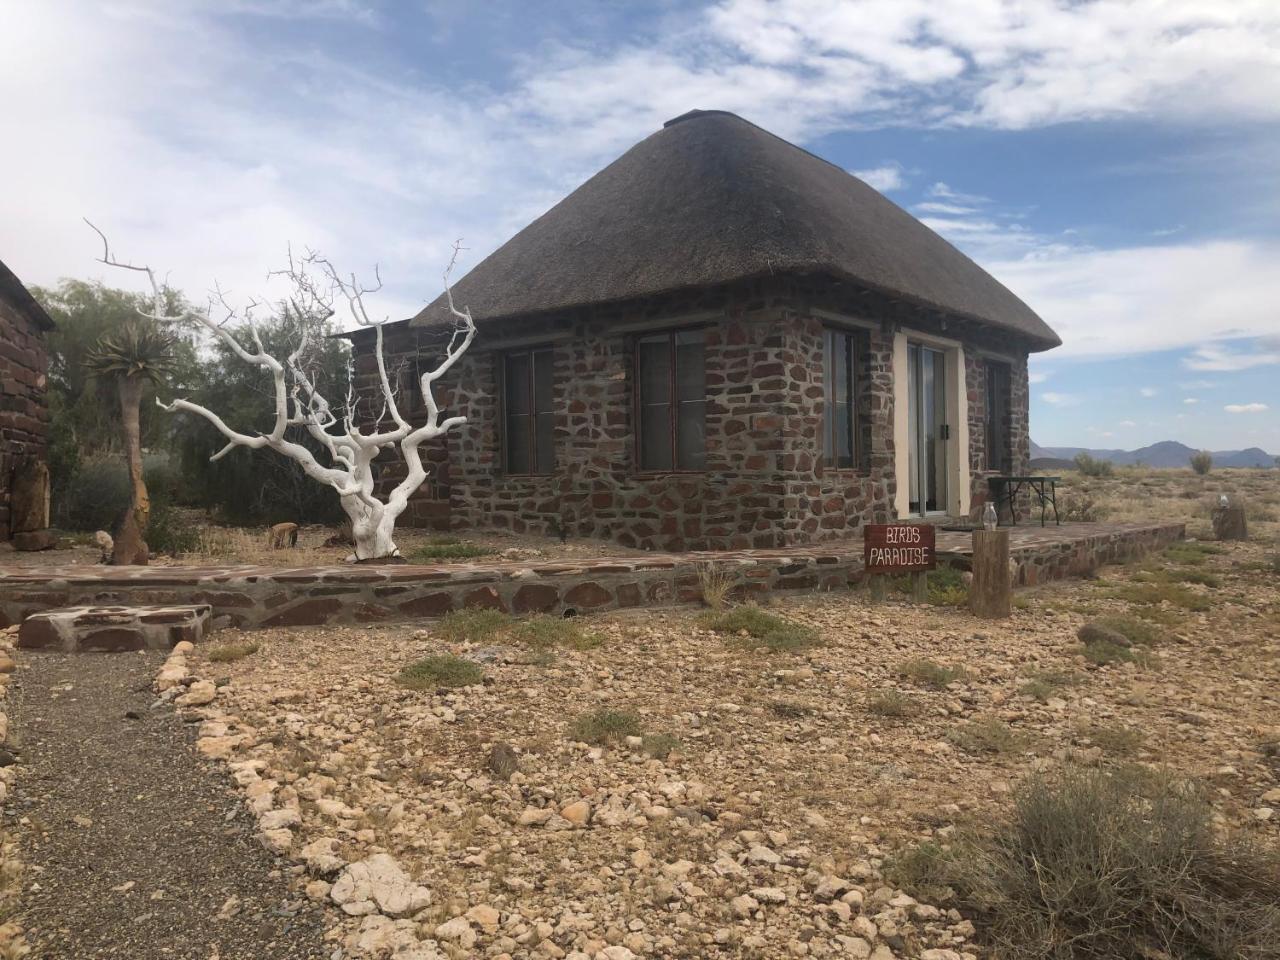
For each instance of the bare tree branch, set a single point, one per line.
(298, 402)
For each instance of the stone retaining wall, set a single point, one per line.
(254, 597)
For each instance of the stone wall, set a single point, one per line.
(764, 484)
(1018, 433)
(24, 416)
(258, 597)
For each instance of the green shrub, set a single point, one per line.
(1100, 865)
(169, 531)
(1157, 593)
(93, 498)
(443, 670)
(761, 629)
(1093, 467)
(447, 548)
(475, 625)
(930, 674)
(606, 726)
(1114, 739)
(543, 632)
(1043, 684)
(1202, 462)
(946, 587)
(1191, 553)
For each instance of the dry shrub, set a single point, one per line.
(231, 652)
(1099, 865)
(756, 628)
(715, 584)
(445, 671)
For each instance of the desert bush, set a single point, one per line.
(474, 625)
(946, 587)
(660, 745)
(606, 726)
(1092, 466)
(230, 652)
(1080, 508)
(789, 709)
(92, 499)
(1162, 592)
(1099, 865)
(715, 585)
(930, 674)
(444, 670)
(759, 628)
(891, 702)
(544, 632)
(1124, 631)
(1043, 684)
(1114, 739)
(1201, 462)
(171, 530)
(985, 735)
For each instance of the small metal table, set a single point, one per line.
(1007, 488)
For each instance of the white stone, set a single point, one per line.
(379, 883)
(769, 894)
(198, 694)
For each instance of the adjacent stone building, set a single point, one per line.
(721, 341)
(24, 416)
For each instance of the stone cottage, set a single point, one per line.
(722, 341)
(24, 416)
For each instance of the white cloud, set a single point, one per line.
(1246, 408)
(1223, 358)
(1190, 400)
(1141, 299)
(1060, 399)
(1126, 424)
(1037, 376)
(1197, 385)
(885, 178)
(1148, 391)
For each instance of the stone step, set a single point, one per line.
(112, 629)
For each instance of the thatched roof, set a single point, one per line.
(710, 199)
(11, 289)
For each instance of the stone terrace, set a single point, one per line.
(253, 597)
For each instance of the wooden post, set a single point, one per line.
(878, 588)
(991, 593)
(920, 586)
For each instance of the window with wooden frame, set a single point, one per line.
(528, 439)
(671, 401)
(841, 358)
(998, 454)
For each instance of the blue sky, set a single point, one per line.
(1115, 162)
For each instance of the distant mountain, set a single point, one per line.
(1166, 453)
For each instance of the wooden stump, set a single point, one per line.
(1229, 522)
(991, 593)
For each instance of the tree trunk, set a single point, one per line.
(130, 389)
(372, 530)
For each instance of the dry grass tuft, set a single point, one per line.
(715, 584)
(760, 629)
(231, 652)
(445, 671)
(1096, 865)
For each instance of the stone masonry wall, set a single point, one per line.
(24, 417)
(1018, 433)
(259, 597)
(764, 484)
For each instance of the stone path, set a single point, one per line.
(136, 848)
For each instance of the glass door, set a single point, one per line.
(928, 431)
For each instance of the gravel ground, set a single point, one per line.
(134, 846)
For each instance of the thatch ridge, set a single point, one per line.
(711, 199)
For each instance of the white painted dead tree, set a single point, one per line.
(298, 401)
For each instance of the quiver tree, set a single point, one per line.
(298, 401)
(130, 357)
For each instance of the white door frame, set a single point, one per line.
(957, 419)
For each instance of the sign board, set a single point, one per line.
(898, 547)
